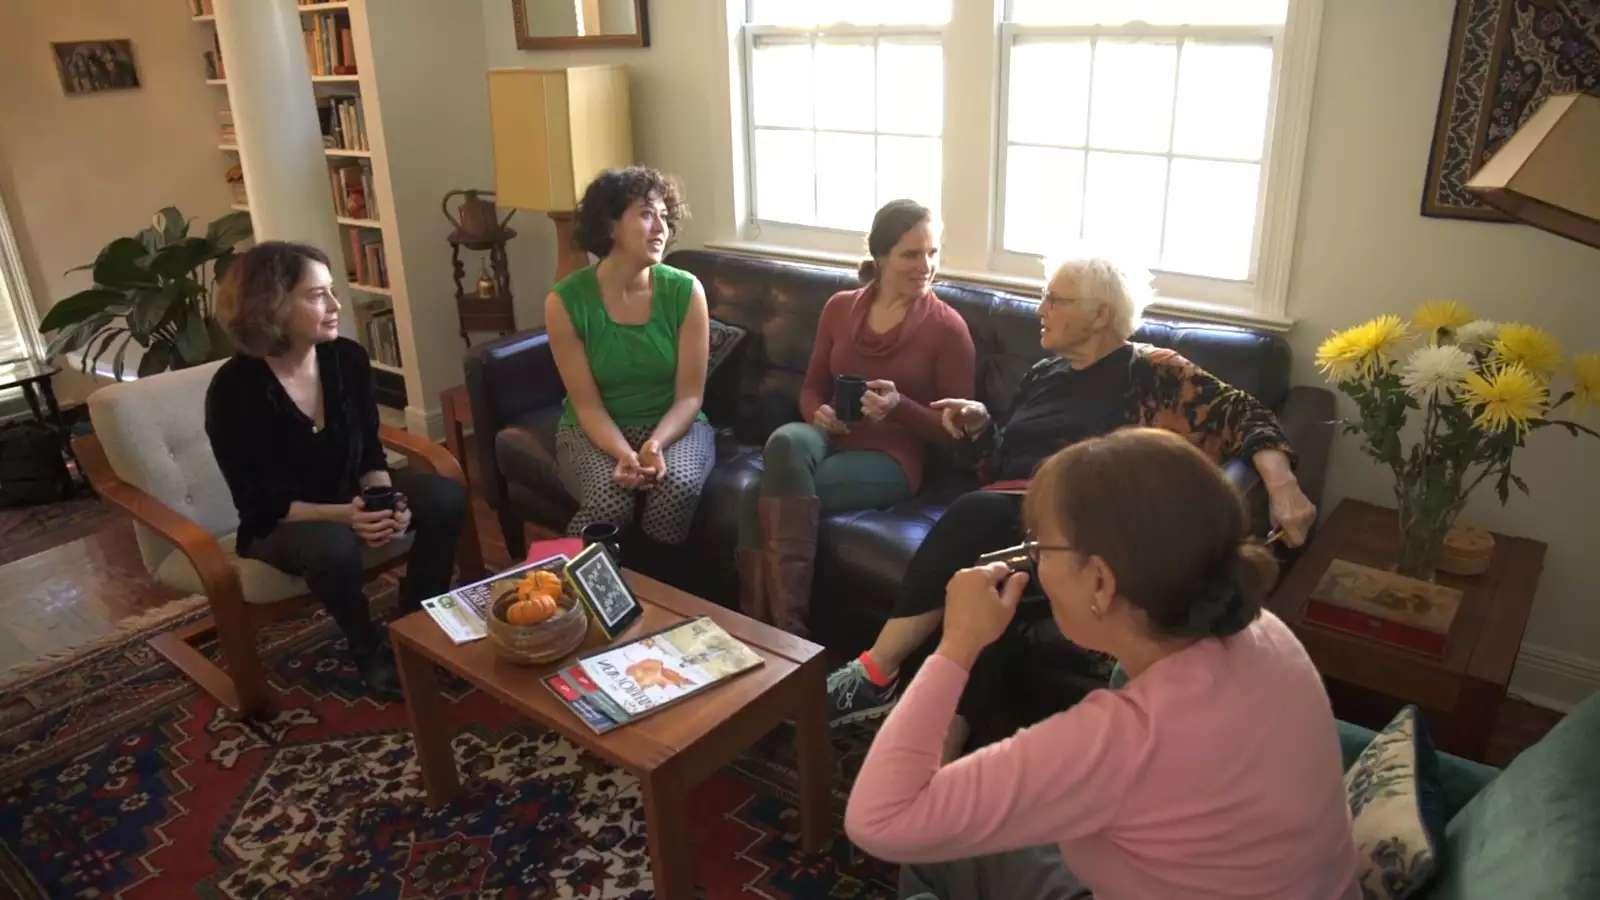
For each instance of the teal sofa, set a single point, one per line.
(1530, 831)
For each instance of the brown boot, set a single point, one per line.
(789, 540)
(753, 584)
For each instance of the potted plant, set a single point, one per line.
(155, 289)
(1481, 388)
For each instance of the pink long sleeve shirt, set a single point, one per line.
(1215, 773)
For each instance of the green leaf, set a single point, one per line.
(78, 307)
(122, 264)
(156, 360)
(178, 260)
(92, 359)
(193, 343)
(230, 229)
(150, 238)
(220, 266)
(173, 225)
(151, 308)
(119, 359)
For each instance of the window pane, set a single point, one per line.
(856, 12)
(1211, 218)
(1222, 99)
(844, 85)
(785, 176)
(1132, 105)
(1154, 12)
(910, 88)
(1122, 204)
(1048, 99)
(844, 180)
(1044, 198)
(908, 167)
(780, 84)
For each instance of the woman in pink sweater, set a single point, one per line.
(912, 349)
(1212, 771)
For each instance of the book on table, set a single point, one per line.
(618, 685)
(1385, 607)
(463, 613)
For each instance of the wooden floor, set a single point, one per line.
(79, 590)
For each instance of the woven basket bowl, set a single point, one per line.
(543, 642)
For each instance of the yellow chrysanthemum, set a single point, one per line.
(1338, 357)
(1586, 378)
(1506, 397)
(1530, 346)
(1440, 315)
(1377, 339)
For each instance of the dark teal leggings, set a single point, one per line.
(799, 463)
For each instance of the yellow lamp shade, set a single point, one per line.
(554, 130)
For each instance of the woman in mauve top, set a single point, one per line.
(1213, 770)
(912, 349)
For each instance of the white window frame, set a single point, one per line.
(972, 248)
(820, 237)
(16, 289)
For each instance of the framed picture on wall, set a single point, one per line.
(89, 67)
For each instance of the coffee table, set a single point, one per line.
(669, 751)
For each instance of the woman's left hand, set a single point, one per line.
(652, 464)
(880, 399)
(978, 605)
(1291, 510)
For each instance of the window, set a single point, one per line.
(1142, 126)
(18, 338)
(845, 108)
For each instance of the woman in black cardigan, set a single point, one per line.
(294, 428)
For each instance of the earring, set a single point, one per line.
(1095, 608)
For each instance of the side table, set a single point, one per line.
(34, 380)
(1462, 691)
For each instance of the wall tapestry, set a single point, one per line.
(88, 67)
(1506, 56)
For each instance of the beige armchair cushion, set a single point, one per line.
(260, 582)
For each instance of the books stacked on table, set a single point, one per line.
(1384, 607)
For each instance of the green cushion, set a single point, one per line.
(1534, 831)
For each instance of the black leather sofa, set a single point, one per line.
(861, 556)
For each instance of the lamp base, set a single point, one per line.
(569, 258)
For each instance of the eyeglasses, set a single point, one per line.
(1034, 549)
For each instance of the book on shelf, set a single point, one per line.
(329, 46)
(352, 190)
(1384, 606)
(343, 122)
(202, 7)
(383, 339)
(367, 263)
(225, 130)
(618, 685)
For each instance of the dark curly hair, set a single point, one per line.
(608, 196)
(1171, 526)
(255, 292)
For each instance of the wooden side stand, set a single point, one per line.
(1462, 691)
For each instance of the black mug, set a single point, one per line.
(847, 393)
(378, 497)
(604, 533)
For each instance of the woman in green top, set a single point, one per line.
(631, 337)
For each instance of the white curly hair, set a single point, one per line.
(1124, 287)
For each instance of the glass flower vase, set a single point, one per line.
(1427, 504)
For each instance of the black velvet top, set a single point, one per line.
(271, 453)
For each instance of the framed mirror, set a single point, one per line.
(575, 24)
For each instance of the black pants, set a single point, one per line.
(973, 525)
(328, 555)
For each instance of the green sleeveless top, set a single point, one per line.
(634, 366)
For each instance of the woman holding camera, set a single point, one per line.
(885, 351)
(294, 428)
(631, 338)
(1093, 381)
(1212, 770)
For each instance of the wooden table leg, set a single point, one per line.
(429, 728)
(1471, 723)
(456, 416)
(666, 822)
(816, 758)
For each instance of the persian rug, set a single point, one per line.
(1506, 57)
(119, 778)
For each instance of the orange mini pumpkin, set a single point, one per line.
(544, 581)
(531, 610)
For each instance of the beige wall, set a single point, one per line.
(1363, 248)
(79, 171)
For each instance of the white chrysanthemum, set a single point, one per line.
(1429, 370)
(1477, 335)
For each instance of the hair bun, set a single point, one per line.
(867, 271)
(1232, 597)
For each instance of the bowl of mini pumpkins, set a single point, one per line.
(536, 619)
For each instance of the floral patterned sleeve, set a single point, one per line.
(1168, 391)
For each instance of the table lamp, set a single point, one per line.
(554, 130)
(1548, 173)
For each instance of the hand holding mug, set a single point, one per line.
(880, 399)
(962, 418)
(373, 526)
(828, 421)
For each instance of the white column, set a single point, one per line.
(280, 141)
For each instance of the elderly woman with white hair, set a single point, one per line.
(1094, 381)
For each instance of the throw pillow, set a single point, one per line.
(725, 339)
(1397, 810)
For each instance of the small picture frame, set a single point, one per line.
(597, 580)
(89, 67)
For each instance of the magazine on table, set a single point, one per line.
(463, 613)
(616, 686)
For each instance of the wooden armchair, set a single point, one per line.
(150, 456)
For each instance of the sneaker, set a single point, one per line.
(852, 697)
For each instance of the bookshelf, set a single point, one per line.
(339, 57)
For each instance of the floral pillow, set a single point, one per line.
(725, 339)
(1397, 811)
